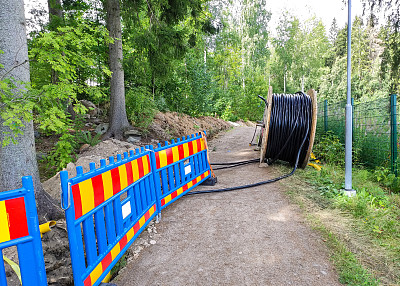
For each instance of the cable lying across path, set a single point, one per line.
(288, 137)
(233, 164)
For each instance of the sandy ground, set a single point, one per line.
(248, 237)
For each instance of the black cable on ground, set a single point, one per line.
(288, 138)
(236, 165)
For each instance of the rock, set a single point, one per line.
(153, 242)
(95, 120)
(40, 156)
(102, 128)
(234, 123)
(103, 150)
(36, 134)
(92, 108)
(84, 148)
(132, 132)
(134, 139)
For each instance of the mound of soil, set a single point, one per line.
(171, 125)
(103, 150)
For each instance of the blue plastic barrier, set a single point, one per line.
(106, 209)
(19, 226)
(179, 167)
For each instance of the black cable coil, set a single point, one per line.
(288, 138)
(290, 122)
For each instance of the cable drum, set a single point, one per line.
(290, 122)
(290, 128)
(289, 125)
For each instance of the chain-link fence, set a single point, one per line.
(375, 138)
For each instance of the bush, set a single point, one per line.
(140, 107)
(329, 149)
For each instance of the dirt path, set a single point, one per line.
(249, 237)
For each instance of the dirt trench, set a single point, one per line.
(249, 237)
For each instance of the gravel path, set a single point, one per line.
(249, 237)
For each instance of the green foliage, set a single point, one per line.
(62, 62)
(385, 177)
(373, 214)
(85, 137)
(140, 107)
(329, 148)
(16, 103)
(63, 152)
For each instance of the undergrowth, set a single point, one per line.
(374, 212)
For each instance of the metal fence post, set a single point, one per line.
(393, 132)
(352, 117)
(325, 115)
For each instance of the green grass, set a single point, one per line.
(375, 219)
(350, 270)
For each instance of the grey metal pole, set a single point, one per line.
(349, 110)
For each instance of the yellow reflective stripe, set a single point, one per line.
(175, 154)
(135, 170)
(203, 146)
(194, 146)
(87, 196)
(145, 161)
(163, 158)
(130, 234)
(151, 211)
(123, 177)
(142, 221)
(190, 184)
(107, 184)
(96, 272)
(115, 251)
(179, 191)
(4, 226)
(185, 150)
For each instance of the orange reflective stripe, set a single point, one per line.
(203, 136)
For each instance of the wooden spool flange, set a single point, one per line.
(267, 118)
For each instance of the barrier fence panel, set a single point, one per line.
(19, 226)
(106, 209)
(179, 167)
(375, 130)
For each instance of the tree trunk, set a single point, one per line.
(55, 19)
(17, 160)
(284, 81)
(118, 119)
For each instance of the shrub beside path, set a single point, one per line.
(249, 237)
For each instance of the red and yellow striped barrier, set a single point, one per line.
(92, 192)
(13, 223)
(107, 260)
(177, 153)
(184, 188)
